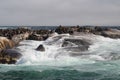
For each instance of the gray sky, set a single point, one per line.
(56, 12)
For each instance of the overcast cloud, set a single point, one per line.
(56, 12)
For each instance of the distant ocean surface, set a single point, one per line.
(100, 62)
(45, 27)
(30, 27)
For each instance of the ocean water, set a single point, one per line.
(100, 62)
(48, 27)
(30, 27)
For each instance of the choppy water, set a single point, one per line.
(100, 62)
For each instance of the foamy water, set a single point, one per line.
(100, 62)
(102, 49)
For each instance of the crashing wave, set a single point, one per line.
(78, 47)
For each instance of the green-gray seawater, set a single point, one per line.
(100, 62)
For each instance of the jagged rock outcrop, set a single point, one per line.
(40, 48)
(9, 33)
(38, 37)
(63, 30)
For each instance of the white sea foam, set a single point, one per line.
(101, 49)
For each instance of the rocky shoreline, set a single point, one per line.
(9, 38)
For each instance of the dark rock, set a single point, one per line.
(12, 53)
(77, 49)
(54, 40)
(9, 56)
(113, 33)
(40, 48)
(9, 33)
(35, 37)
(67, 44)
(12, 61)
(78, 42)
(45, 37)
(3, 61)
(63, 30)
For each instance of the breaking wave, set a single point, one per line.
(72, 53)
(66, 57)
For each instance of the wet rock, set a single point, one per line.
(6, 43)
(77, 49)
(20, 37)
(85, 29)
(9, 33)
(112, 33)
(9, 56)
(64, 30)
(40, 48)
(38, 37)
(35, 37)
(67, 44)
(46, 36)
(78, 42)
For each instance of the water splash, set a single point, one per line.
(101, 49)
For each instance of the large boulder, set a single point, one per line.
(76, 47)
(40, 48)
(9, 56)
(6, 43)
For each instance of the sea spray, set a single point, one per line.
(100, 49)
(100, 62)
